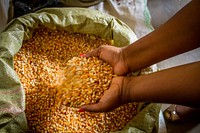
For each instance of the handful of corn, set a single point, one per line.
(57, 81)
(85, 80)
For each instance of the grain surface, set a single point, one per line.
(57, 81)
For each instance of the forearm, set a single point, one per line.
(180, 85)
(178, 35)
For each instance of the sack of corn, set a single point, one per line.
(44, 80)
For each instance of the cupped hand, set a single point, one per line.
(115, 96)
(112, 55)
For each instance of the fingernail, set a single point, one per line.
(82, 55)
(81, 110)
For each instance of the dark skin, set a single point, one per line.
(178, 85)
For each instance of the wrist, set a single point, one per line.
(125, 90)
(125, 59)
(130, 56)
(130, 87)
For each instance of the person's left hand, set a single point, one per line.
(112, 55)
(115, 96)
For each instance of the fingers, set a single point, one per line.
(94, 52)
(99, 107)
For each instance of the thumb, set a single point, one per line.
(94, 52)
(98, 107)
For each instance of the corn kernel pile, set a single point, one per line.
(85, 81)
(57, 81)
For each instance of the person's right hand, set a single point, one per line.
(117, 95)
(112, 55)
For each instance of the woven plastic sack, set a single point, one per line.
(12, 94)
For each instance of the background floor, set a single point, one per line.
(161, 11)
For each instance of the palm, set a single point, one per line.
(111, 99)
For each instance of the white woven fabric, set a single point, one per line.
(133, 12)
(4, 6)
